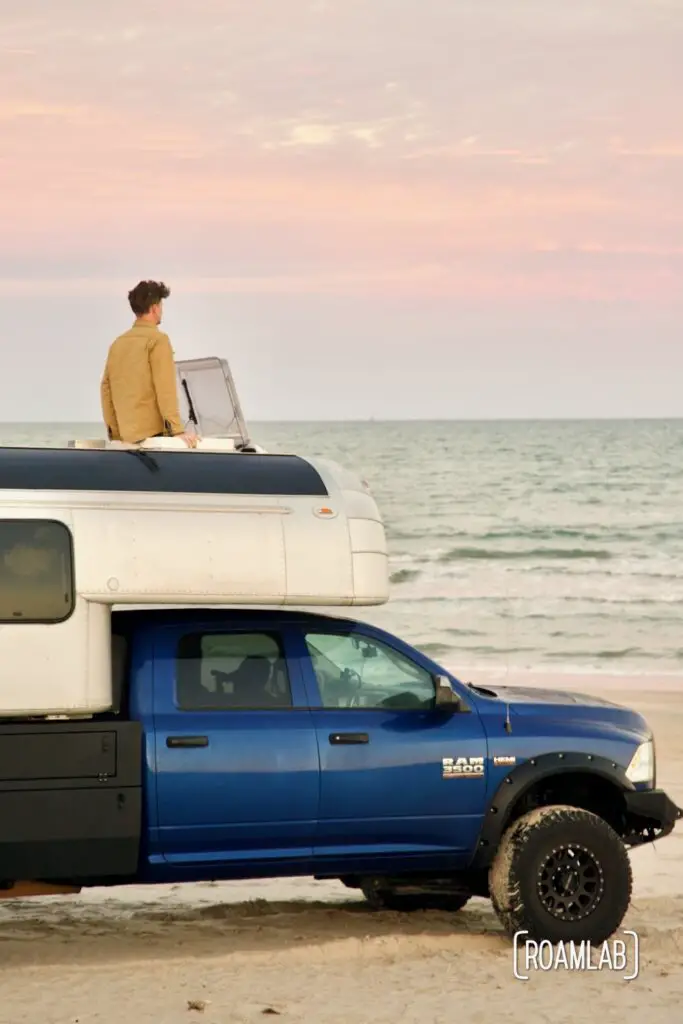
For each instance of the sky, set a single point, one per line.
(371, 208)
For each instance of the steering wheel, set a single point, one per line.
(353, 682)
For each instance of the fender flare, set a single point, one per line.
(520, 780)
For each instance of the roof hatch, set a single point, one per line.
(208, 399)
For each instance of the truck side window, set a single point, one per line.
(353, 671)
(231, 671)
(36, 571)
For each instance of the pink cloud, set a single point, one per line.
(408, 167)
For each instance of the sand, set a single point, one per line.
(307, 951)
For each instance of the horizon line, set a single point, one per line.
(390, 420)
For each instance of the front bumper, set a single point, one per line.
(650, 815)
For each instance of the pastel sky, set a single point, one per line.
(389, 208)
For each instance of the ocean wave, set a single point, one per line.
(560, 616)
(627, 572)
(433, 649)
(491, 650)
(423, 534)
(607, 655)
(568, 634)
(503, 603)
(465, 632)
(462, 554)
(404, 575)
(545, 657)
(545, 533)
(634, 535)
(607, 533)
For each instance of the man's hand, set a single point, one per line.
(190, 439)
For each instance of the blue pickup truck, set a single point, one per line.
(251, 744)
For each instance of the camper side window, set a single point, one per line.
(231, 671)
(36, 571)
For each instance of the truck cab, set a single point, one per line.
(281, 737)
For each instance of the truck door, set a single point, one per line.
(237, 770)
(398, 776)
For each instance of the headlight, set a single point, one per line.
(642, 766)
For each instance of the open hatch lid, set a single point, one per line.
(208, 399)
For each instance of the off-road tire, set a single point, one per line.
(530, 859)
(387, 899)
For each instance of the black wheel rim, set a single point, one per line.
(570, 883)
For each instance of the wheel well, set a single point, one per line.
(586, 790)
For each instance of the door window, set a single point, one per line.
(356, 672)
(231, 671)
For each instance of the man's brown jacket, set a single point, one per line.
(139, 389)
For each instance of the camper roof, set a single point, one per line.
(133, 469)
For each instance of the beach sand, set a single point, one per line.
(308, 951)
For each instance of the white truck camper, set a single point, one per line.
(100, 524)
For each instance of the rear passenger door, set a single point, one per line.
(237, 769)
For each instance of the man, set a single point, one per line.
(139, 389)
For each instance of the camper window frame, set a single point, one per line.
(34, 521)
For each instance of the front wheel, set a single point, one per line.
(561, 874)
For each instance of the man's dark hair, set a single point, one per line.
(146, 294)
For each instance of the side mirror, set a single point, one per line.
(445, 696)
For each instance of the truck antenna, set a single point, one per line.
(508, 723)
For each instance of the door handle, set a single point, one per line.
(187, 741)
(349, 737)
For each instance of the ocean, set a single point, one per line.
(553, 547)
